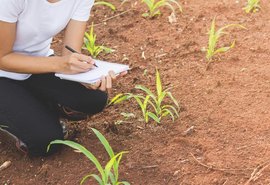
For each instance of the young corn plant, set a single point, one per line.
(152, 104)
(252, 6)
(154, 7)
(90, 44)
(214, 37)
(108, 175)
(104, 3)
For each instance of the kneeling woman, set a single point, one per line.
(30, 94)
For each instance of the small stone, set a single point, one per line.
(189, 131)
(176, 172)
(5, 165)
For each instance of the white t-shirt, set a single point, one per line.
(37, 22)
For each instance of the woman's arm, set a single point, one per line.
(74, 34)
(14, 62)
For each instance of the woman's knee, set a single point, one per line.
(95, 104)
(103, 100)
(38, 142)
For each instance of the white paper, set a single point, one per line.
(96, 73)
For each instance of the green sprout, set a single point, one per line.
(90, 44)
(154, 7)
(214, 37)
(104, 3)
(108, 175)
(152, 105)
(252, 6)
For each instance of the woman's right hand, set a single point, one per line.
(75, 63)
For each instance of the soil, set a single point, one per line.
(226, 106)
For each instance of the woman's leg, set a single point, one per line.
(27, 118)
(67, 93)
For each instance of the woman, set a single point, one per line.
(30, 93)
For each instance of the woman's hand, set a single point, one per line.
(75, 63)
(105, 83)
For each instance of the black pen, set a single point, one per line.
(73, 51)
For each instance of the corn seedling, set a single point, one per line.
(104, 3)
(214, 37)
(154, 7)
(108, 175)
(90, 44)
(152, 105)
(252, 6)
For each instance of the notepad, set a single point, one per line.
(96, 73)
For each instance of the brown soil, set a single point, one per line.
(228, 104)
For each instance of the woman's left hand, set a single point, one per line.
(105, 83)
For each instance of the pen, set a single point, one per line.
(73, 51)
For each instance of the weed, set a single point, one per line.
(90, 44)
(214, 37)
(108, 175)
(128, 115)
(154, 7)
(252, 6)
(104, 3)
(152, 100)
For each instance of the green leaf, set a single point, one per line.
(110, 5)
(146, 117)
(161, 98)
(153, 105)
(138, 99)
(220, 31)
(112, 161)
(171, 107)
(116, 97)
(97, 50)
(145, 102)
(116, 166)
(169, 5)
(158, 83)
(252, 5)
(153, 116)
(112, 178)
(155, 13)
(119, 98)
(212, 40)
(107, 50)
(145, 15)
(224, 49)
(104, 142)
(177, 4)
(166, 112)
(97, 178)
(149, 3)
(83, 150)
(173, 99)
(159, 4)
(108, 148)
(146, 90)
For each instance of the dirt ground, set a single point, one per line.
(227, 105)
